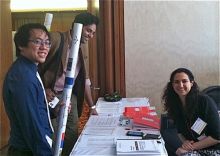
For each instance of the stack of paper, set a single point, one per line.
(129, 102)
(101, 125)
(137, 147)
(108, 108)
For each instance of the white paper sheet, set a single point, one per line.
(106, 131)
(96, 141)
(102, 121)
(127, 146)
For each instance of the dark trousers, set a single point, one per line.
(12, 151)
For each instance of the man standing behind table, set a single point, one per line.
(53, 75)
(24, 97)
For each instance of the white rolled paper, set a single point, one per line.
(68, 85)
(48, 20)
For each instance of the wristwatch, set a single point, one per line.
(93, 107)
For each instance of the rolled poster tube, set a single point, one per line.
(68, 85)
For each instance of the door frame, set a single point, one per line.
(6, 59)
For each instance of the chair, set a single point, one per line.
(214, 93)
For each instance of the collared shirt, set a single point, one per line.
(26, 108)
(59, 84)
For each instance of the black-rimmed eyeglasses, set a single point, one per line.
(39, 43)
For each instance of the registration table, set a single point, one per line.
(101, 132)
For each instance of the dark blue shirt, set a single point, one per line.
(26, 108)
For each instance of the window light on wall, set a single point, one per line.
(47, 5)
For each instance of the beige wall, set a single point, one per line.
(163, 35)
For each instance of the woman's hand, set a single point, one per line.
(188, 145)
(181, 151)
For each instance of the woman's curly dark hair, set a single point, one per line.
(171, 100)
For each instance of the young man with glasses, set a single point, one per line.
(24, 95)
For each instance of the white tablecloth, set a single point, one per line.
(101, 132)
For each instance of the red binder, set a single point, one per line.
(132, 112)
(147, 121)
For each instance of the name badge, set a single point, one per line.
(53, 103)
(198, 126)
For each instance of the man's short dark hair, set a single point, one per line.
(86, 18)
(22, 36)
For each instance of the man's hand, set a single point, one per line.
(93, 111)
(59, 105)
(50, 94)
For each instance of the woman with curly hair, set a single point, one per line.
(195, 116)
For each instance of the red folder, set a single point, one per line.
(132, 112)
(147, 121)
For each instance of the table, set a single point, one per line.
(101, 132)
